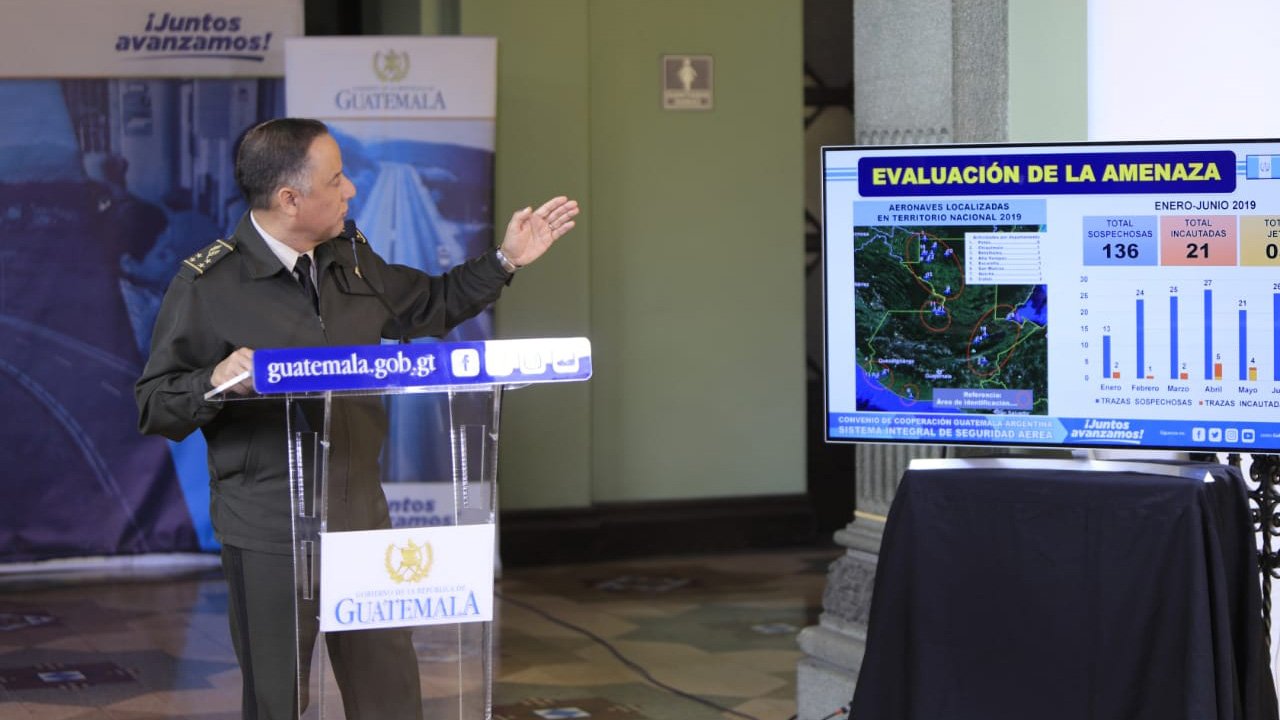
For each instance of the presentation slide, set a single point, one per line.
(1086, 295)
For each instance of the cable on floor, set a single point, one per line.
(839, 711)
(636, 667)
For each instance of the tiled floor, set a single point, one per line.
(663, 639)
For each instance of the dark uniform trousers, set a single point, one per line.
(376, 670)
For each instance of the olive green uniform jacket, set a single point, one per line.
(236, 293)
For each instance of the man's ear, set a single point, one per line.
(287, 199)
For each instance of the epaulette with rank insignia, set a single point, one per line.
(195, 265)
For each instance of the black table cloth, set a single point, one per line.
(1045, 592)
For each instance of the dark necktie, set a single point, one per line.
(302, 273)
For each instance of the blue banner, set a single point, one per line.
(416, 120)
(109, 177)
(109, 184)
(421, 366)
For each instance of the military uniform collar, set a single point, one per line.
(333, 251)
(260, 261)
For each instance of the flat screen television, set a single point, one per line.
(1090, 295)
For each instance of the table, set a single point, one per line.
(1046, 589)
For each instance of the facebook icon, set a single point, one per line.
(465, 362)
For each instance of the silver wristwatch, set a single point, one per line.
(507, 265)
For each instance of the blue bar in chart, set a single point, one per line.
(1208, 334)
(1106, 356)
(1173, 337)
(1275, 337)
(1141, 372)
(1244, 346)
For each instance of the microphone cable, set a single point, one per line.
(633, 665)
(352, 233)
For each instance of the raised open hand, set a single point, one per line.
(531, 232)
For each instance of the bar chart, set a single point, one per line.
(1218, 338)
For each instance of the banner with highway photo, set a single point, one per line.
(117, 126)
(415, 119)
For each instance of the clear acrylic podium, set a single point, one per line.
(404, 615)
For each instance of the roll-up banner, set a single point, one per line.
(144, 38)
(414, 117)
(117, 125)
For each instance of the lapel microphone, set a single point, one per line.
(352, 233)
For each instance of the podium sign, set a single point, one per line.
(421, 366)
(406, 577)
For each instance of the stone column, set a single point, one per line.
(924, 71)
(980, 70)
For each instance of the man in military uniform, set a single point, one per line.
(285, 279)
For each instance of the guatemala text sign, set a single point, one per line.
(406, 577)
(390, 77)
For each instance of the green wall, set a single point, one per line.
(543, 150)
(1048, 71)
(687, 269)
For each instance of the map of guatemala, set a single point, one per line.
(932, 339)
